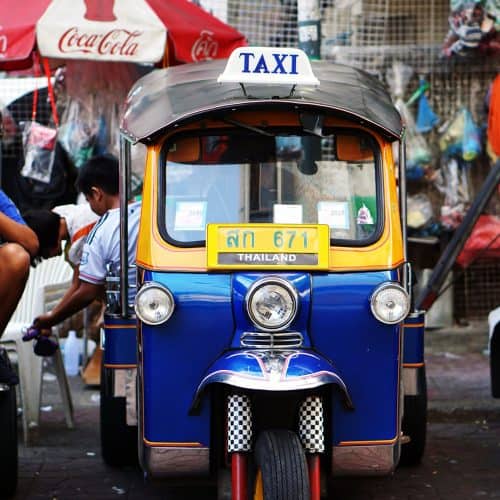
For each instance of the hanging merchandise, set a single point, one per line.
(461, 137)
(418, 153)
(426, 118)
(452, 181)
(95, 92)
(484, 241)
(473, 28)
(39, 141)
(78, 132)
(420, 213)
(8, 127)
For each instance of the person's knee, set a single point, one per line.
(14, 260)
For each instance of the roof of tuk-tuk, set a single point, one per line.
(173, 95)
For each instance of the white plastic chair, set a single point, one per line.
(46, 284)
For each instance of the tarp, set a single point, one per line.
(139, 31)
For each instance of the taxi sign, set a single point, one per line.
(268, 246)
(268, 65)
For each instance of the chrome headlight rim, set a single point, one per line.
(381, 288)
(287, 286)
(146, 286)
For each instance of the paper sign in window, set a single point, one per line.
(190, 215)
(334, 213)
(287, 214)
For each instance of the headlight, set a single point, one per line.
(390, 303)
(272, 303)
(154, 303)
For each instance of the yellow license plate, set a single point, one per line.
(268, 246)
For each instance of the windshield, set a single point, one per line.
(284, 178)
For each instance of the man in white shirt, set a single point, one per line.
(98, 180)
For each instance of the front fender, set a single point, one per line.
(272, 371)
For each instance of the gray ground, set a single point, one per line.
(462, 460)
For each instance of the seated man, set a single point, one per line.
(71, 223)
(19, 245)
(98, 180)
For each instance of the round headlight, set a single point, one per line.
(390, 303)
(154, 304)
(272, 303)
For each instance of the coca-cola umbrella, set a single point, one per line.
(139, 31)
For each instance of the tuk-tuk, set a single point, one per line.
(271, 344)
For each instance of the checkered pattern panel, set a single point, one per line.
(311, 428)
(239, 423)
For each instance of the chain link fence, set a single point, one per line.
(372, 35)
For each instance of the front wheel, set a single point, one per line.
(118, 440)
(415, 424)
(281, 467)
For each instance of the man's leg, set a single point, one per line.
(14, 271)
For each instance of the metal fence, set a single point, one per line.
(372, 35)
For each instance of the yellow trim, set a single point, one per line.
(365, 443)
(259, 487)
(107, 365)
(156, 254)
(173, 444)
(413, 325)
(119, 327)
(413, 365)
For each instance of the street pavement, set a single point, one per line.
(462, 460)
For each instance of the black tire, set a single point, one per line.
(281, 461)
(415, 424)
(495, 362)
(8, 441)
(118, 440)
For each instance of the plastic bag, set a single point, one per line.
(452, 181)
(78, 133)
(39, 142)
(484, 241)
(462, 137)
(398, 77)
(420, 211)
(418, 153)
(8, 127)
(426, 118)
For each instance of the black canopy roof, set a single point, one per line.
(179, 93)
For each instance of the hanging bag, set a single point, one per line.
(39, 141)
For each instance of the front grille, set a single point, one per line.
(266, 340)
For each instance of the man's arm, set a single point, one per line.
(15, 232)
(75, 283)
(82, 296)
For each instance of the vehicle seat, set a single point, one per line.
(46, 284)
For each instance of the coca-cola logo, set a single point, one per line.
(205, 47)
(115, 42)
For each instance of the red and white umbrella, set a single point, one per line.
(139, 31)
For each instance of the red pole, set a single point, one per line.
(239, 476)
(313, 463)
